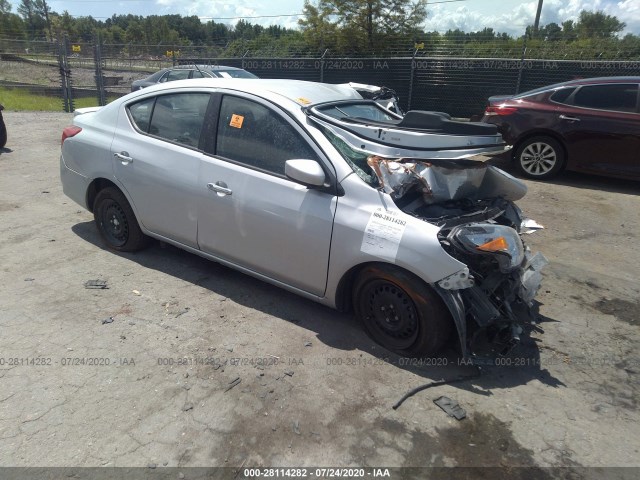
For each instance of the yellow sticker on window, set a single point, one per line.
(303, 101)
(236, 121)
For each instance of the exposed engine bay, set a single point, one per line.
(436, 169)
(492, 301)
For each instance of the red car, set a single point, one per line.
(590, 125)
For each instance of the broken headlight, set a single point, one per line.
(489, 239)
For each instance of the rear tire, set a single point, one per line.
(539, 158)
(116, 221)
(3, 132)
(400, 312)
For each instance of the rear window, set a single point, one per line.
(235, 74)
(617, 97)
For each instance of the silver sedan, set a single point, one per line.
(311, 188)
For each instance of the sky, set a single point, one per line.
(510, 16)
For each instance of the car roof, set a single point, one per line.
(204, 67)
(301, 92)
(579, 82)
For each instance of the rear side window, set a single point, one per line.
(177, 118)
(618, 97)
(140, 113)
(561, 96)
(257, 136)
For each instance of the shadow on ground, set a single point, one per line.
(335, 329)
(576, 179)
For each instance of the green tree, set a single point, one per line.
(598, 25)
(318, 31)
(42, 10)
(5, 7)
(371, 20)
(29, 12)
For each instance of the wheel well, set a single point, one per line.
(540, 133)
(95, 187)
(344, 300)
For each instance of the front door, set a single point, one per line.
(249, 212)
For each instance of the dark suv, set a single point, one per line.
(184, 72)
(590, 125)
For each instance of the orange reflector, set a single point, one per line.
(496, 245)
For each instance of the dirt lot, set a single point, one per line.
(152, 386)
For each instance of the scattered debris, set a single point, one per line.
(29, 279)
(436, 383)
(45, 191)
(187, 407)
(307, 344)
(451, 407)
(152, 466)
(107, 320)
(296, 427)
(96, 284)
(136, 292)
(233, 384)
(182, 312)
(289, 373)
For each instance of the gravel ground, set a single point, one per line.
(182, 362)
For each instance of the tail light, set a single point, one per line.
(68, 132)
(500, 110)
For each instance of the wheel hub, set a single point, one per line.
(538, 158)
(115, 222)
(392, 312)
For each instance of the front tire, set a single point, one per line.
(400, 312)
(539, 158)
(116, 221)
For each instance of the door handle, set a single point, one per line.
(219, 187)
(123, 157)
(569, 119)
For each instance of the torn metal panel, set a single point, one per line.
(444, 180)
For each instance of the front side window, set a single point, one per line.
(618, 97)
(257, 136)
(177, 118)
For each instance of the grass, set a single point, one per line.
(21, 100)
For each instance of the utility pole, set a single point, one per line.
(537, 22)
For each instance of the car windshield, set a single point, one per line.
(356, 159)
(369, 111)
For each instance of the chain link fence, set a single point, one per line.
(456, 78)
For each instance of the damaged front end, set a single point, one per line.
(492, 300)
(435, 169)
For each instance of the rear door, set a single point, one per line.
(249, 212)
(156, 158)
(602, 128)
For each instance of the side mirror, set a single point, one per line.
(306, 172)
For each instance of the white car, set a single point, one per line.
(311, 188)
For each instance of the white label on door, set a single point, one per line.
(383, 234)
